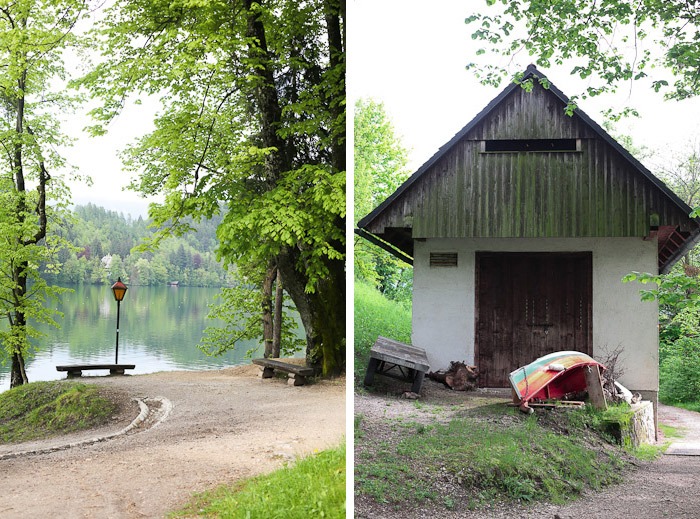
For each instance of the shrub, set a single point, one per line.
(376, 315)
(679, 374)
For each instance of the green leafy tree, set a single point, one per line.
(253, 118)
(608, 44)
(33, 36)
(682, 173)
(380, 168)
(247, 324)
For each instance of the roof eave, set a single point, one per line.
(389, 247)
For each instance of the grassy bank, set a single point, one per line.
(45, 409)
(461, 454)
(312, 487)
(485, 455)
(375, 315)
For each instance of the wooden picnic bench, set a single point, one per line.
(76, 370)
(297, 373)
(397, 360)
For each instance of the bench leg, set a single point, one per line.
(296, 380)
(371, 369)
(116, 371)
(268, 372)
(75, 374)
(417, 382)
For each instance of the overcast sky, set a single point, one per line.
(98, 158)
(411, 55)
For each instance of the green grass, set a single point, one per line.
(671, 432)
(375, 315)
(505, 457)
(45, 409)
(311, 487)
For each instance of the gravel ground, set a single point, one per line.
(224, 425)
(668, 487)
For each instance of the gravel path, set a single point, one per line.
(223, 426)
(667, 487)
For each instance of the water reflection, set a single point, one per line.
(160, 328)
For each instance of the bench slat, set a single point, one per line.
(399, 353)
(81, 367)
(285, 366)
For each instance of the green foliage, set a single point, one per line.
(311, 487)
(34, 37)
(380, 168)
(376, 315)
(607, 46)
(253, 118)
(44, 409)
(238, 308)
(380, 158)
(678, 295)
(678, 372)
(105, 246)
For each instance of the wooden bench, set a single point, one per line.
(397, 360)
(297, 373)
(76, 370)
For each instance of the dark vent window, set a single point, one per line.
(443, 259)
(530, 145)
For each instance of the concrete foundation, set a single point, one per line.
(634, 427)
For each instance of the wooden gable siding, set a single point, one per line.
(591, 193)
(530, 115)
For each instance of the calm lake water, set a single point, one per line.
(160, 328)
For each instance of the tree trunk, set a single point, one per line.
(277, 320)
(267, 312)
(18, 374)
(322, 313)
(334, 10)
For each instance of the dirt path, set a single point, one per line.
(668, 487)
(223, 426)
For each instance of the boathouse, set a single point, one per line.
(520, 229)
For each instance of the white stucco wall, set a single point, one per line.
(444, 300)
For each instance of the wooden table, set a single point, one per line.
(397, 360)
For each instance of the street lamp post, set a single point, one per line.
(119, 290)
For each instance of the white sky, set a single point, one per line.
(98, 157)
(411, 55)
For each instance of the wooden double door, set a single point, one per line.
(528, 305)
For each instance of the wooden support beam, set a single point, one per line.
(595, 387)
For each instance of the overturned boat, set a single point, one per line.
(551, 377)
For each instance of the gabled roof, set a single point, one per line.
(399, 241)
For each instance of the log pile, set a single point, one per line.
(460, 376)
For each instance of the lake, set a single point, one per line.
(160, 328)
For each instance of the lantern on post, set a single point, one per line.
(119, 290)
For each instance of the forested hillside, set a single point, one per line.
(103, 242)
